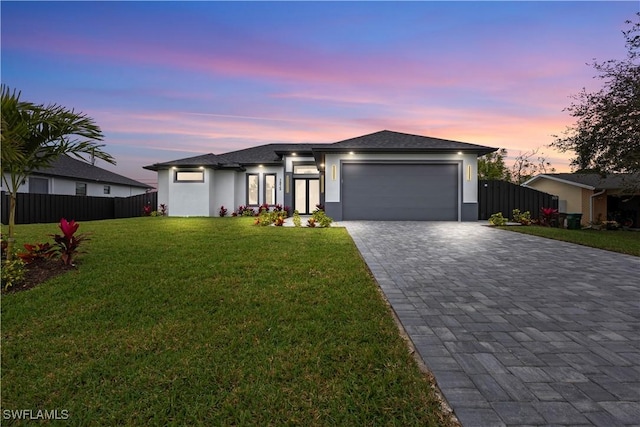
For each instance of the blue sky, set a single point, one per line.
(167, 80)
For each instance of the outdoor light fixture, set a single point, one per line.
(293, 154)
(201, 167)
(460, 153)
(260, 166)
(468, 172)
(334, 172)
(351, 152)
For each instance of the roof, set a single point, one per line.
(383, 141)
(591, 181)
(68, 167)
(387, 140)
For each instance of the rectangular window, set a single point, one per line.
(189, 176)
(252, 189)
(38, 185)
(270, 188)
(81, 189)
(107, 189)
(305, 169)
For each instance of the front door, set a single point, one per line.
(307, 195)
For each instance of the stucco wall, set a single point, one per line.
(568, 195)
(189, 198)
(224, 192)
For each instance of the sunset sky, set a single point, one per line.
(166, 80)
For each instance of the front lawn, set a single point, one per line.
(626, 242)
(210, 321)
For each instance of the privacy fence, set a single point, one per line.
(502, 196)
(43, 208)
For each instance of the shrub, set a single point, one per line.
(163, 209)
(222, 211)
(68, 242)
(321, 218)
(12, 272)
(147, 209)
(522, 218)
(320, 207)
(311, 222)
(155, 213)
(245, 211)
(497, 219)
(547, 216)
(263, 207)
(37, 252)
(297, 222)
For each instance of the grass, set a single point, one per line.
(626, 242)
(210, 321)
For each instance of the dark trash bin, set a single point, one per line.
(573, 221)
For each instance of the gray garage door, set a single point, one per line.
(427, 192)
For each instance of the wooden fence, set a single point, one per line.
(46, 208)
(502, 196)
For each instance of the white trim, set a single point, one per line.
(553, 178)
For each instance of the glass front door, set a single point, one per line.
(307, 195)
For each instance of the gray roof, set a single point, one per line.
(387, 140)
(68, 167)
(594, 180)
(383, 141)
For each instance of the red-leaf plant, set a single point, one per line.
(68, 243)
(36, 252)
(547, 215)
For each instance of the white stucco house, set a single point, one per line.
(70, 176)
(381, 176)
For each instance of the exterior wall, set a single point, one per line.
(468, 178)
(224, 192)
(66, 186)
(189, 198)
(241, 184)
(568, 195)
(163, 189)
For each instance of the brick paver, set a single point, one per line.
(517, 329)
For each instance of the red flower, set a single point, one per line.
(68, 228)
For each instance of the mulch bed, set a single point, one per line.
(37, 273)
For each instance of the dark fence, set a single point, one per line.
(502, 196)
(45, 208)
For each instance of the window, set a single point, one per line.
(107, 189)
(38, 185)
(189, 176)
(81, 189)
(305, 169)
(270, 188)
(252, 189)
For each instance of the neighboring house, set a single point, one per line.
(71, 176)
(382, 176)
(597, 198)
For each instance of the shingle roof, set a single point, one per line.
(68, 167)
(383, 141)
(594, 180)
(387, 140)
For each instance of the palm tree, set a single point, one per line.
(33, 136)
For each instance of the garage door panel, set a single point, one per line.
(400, 191)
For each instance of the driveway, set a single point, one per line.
(517, 329)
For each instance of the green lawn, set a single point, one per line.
(626, 242)
(210, 321)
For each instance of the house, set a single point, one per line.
(71, 176)
(596, 197)
(381, 176)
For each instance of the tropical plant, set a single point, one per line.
(163, 209)
(12, 272)
(497, 219)
(547, 216)
(147, 210)
(33, 136)
(222, 211)
(68, 242)
(321, 218)
(523, 218)
(297, 221)
(36, 252)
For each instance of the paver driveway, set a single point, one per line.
(517, 329)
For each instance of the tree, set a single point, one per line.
(491, 166)
(33, 136)
(606, 135)
(529, 164)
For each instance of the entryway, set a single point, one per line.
(306, 194)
